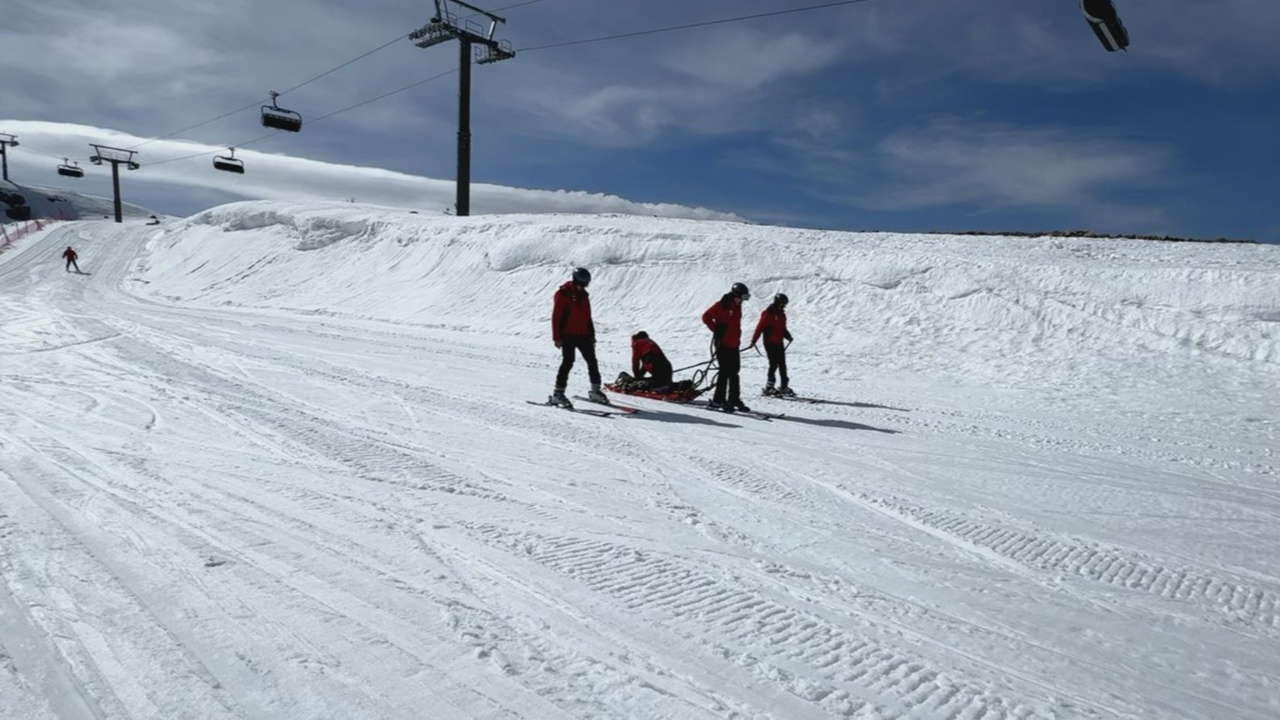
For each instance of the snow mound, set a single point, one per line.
(1008, 309)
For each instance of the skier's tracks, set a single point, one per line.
(1019, 549)
(804, 654)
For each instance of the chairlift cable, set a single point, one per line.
(398, 38)
(304, 83)
(260, 138)
(26, 147)
(332, 70)
(386, 95)
(706, 23)
(577, 42)
(193, 127)
(255, 104)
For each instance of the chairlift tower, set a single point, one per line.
(472, 40)
(116, 157)
(5, 141)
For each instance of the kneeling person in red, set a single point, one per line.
(648, 359)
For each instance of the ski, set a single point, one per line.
(745, 413)
(797, 398)
(759, 415)
(625, 409)
(581, 411)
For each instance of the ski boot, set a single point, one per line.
(785, 391)
(740, 406)
(597, 395)
(720, 405)
(558, 399)
(769, 390)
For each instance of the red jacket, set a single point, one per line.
(773, 325)
(571, 315)
(725, 320)
(69, 254)
(644, 354)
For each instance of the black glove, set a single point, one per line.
(786, 335)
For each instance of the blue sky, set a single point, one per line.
(908, 115)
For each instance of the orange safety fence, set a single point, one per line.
(13, 232)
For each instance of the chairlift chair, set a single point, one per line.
(1102, 17)
(229, 163)
(274, 116)
(70, 169)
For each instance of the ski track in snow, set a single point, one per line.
(250, 512)
(1237, 602)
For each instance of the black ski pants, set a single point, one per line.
(730, 361)
(777, 354)
(569, 347)
(660, 375)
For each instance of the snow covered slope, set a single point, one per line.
(274, 461)
(52, 203)
(1005, 309)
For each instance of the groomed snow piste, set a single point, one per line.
(275, 461)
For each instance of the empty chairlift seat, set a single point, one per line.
(1106, 24)
(229, 163)
(70, 169)
(274, 116)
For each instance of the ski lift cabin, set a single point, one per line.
(229, 163)
(1102, 17)
(274, 116)
(70, 169)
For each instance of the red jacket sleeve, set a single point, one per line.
(711, 318)
(761, 327)
(559, 313)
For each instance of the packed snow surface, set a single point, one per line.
(275, 461)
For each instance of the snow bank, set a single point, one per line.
(1003, 309)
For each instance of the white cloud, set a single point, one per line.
(949, 163)
(745, 59)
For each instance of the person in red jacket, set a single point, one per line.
(648, 359)
(71, 256)
(724, 318)
(573, 332)
(773, 326)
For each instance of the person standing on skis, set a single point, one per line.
(573, 332)
(773, 326)
(71, 257)
(724, 318)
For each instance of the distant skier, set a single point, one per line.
(71, 256)
(573, 331)
(773, 326)
(724, 318)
